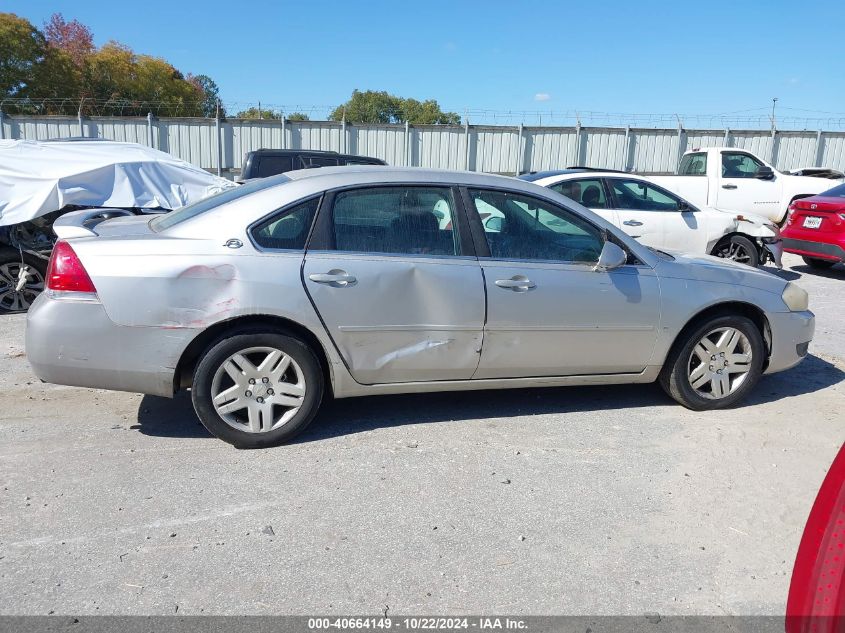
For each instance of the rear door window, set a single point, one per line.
(288, 229)
(317, 161)
(401, 220)
(587, 191)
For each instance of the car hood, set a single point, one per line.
(718, 270)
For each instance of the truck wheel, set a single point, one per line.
(21, 280)
(818, 263)
(738, 248)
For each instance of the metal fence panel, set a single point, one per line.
(379, 141)
(496, 150)
(796, 150)
(832, 150)
(549, 148)
(438, 147)
(655, 150)
(602, 147)
(502, 149)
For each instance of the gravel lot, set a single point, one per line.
(600, 500)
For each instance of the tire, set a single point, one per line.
(739, 249)
(818, 263)
(11, 300)
(260, 419)
(675, 377)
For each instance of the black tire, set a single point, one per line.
(674, 377)
(738, 248)
(219, 352)
(11, 301)
(818, 263)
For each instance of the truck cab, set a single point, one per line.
(734, 179)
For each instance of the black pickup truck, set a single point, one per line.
(269, 162)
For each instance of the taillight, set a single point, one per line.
(817, 592)
(65, 272)
(789, 212)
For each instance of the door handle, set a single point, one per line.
(632, 223)
(729, 186)
(517, 283)
(336, 278)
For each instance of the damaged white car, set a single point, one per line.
(661, 219)
(42, 180)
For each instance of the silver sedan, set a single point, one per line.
(266, 299)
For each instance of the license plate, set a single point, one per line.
(812, 223)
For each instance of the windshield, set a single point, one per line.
(164, 222)
(836, 192)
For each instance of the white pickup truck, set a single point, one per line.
(734, 179)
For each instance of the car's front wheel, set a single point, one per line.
(716, 363)
(257, 389)
(738, 248)
(819, 263)
(21, 280)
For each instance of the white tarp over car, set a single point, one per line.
(37, 177)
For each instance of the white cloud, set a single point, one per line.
(542, 96)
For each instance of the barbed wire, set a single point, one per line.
(753, 118)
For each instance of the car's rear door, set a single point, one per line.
(590, 192)
(549, 313)
(401, 294)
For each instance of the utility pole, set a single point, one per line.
(774, 103)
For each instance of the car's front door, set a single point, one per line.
(675, 224)
(398, 289)
(740, 190)
(549, 313)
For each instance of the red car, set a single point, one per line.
(815, 228)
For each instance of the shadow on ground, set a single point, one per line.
(164, 417)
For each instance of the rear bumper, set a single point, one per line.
(791, 336)
(75, 343)
(823, 250)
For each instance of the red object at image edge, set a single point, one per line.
(816, 602)
(65, 271)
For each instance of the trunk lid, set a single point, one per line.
(101, 222)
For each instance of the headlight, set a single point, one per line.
(795, 298)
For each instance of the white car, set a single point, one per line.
(662, 219)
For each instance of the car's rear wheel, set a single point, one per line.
(739, 249)
(257, 389)
(716, 363)
(21, 280)
(818, 263)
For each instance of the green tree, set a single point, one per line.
(372, 106)
(210, 94)
(22, 47)
(255, 113)
(298, 116)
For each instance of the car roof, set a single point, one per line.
(329, 177)
(570, 174)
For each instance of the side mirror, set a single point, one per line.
(764, 173)
(611, 257)
(494, 224)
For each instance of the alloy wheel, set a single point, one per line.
(735, 251)
(19, 285)
(719, 363)
(258, 389)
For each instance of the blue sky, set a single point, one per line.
(681, 57)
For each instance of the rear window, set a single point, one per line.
(272, 165)
(693, 165)
(164, 222)
(836, 192)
